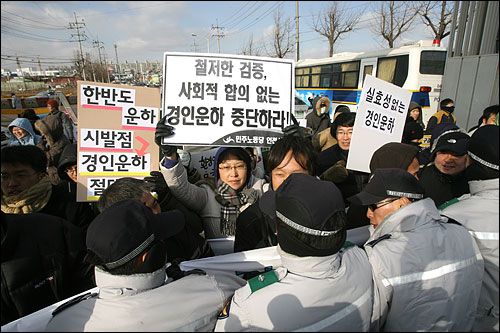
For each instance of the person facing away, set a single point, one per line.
(478, 212)
(126, 244)
(66, 121)
(321, 284)
(52, 143)
(22, 133)
(444, 178)
(319, 118)
(26, 188)
(42, 263)
(290, 154)
(445, 115)
(427, 272)
(186, 244)
(16, 101)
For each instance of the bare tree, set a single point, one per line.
(437, 15)
(282, 38)
(334, 21)
(251, 48)
(393, 18)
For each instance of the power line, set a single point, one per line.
(25, 18)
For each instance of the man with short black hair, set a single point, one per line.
(444, 178)
(323, 284)
(478, 212)
(427, 272)
(126, 243)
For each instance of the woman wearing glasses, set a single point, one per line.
(218, 201)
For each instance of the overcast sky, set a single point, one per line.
(143, 30)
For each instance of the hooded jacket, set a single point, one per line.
(478, 212)
(146, 302)
(201, 197)
(53, 144)
(316, 120)
(427, 272)
(30, 139)
(68, 158)
(332, 293)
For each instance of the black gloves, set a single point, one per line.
(337, 173)
(296, 130)
(159, 185)
(163, 130)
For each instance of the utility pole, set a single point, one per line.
(218, 35)
(81, 39)
(117, 63)
(40, 66)
(297, 55)
(97, 44)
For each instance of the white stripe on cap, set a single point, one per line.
(483, 162)
(405, 194)
(303, 229)
(431, 274)
(132, 254)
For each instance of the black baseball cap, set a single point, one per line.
(305, 203)
(389, 183)
(125, 229)
(453, 140)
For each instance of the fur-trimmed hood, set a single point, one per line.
(323, 100)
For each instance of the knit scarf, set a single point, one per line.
(31, 200)
(231, 201)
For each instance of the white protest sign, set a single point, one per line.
(380, 119)
(226, 100)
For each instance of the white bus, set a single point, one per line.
(418, 68)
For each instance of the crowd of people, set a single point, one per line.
(430, 262)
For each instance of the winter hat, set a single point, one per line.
(453, 140)
(305, 205)
(389, 183)
(414, 105)
(53, 103)
(125, 229)
(393, 155)
(483, 146)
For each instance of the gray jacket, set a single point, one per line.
(200, 198)
(478, 212)
(332, 293)
(427, 272)
(144, 302)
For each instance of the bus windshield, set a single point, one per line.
(432, 62)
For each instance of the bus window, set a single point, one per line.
(302, 77)
(393, 70)
(325, 80)
(432, 62)
(367, 71)
(315, 81)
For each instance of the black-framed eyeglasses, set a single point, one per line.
(375, 206)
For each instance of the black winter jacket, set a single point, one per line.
(254, 229)
(42, 263)
(441, 187)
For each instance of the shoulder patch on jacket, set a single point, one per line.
(262, 280)
(381, 238)
(448, 203)
(348, 244)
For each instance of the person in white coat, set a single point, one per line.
(136, 293)
(322, 284)
(427, 272)
(478, 212)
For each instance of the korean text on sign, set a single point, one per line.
(106, 96)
